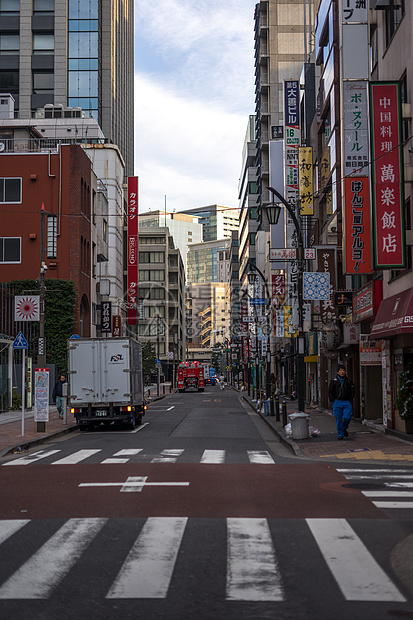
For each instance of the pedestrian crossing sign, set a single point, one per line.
(20, 342)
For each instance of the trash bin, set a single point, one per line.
(267, 407)
(299, 425)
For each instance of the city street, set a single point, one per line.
(200, 512)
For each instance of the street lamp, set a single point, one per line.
(251, 279)
(300, 259)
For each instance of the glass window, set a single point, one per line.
(43, 6)
(79, 9)
(43, 83)
(10, 249)
(43, 43)
(83, 83)
(9, 81)
(10, 190)
(9, 6)
(83, 44)
(9, 44)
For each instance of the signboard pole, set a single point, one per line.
(23, 387)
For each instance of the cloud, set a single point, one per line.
(193, 93)
(186, 149)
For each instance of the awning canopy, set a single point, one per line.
(394, 316)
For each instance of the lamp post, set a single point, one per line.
(268, 356)
(300, 259)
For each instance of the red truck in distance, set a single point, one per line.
(191, 376)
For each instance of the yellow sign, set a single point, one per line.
(305, 180)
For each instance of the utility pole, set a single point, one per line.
(41, 351)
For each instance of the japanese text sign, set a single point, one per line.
(292, 137)
(357, 245)
(387, 175)
(355, 11)
(356, 135)
(278, 288)
(132, 248)
(305, 180)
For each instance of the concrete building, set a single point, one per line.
(208, 262)
(208, 314)
(185, 229)
(75, 56)
(161, 295)
(217, 221)
(248, 194)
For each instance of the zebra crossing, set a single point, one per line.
(256, 457)
(386, 487)
(252, 571)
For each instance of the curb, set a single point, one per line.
(288, 443)
(39, 440)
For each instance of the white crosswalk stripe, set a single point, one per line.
(392, 485)
(45, 570)
(260, 457)
(148, 568)
(358, 575)
(251, 571)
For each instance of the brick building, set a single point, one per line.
(61, 179)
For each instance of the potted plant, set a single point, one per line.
(404, 400)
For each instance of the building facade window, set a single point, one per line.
(151, 275)
(83, 56)
(9, 44)
(393, 15)
(151, 257)
(43, 83)
(43, 43)
(10, 249)
(10, 190)
(44, 7)
(8, 7)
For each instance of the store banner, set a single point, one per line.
(387, 176)
(370, 351)
(278, 289)
(356, 128)
(132, 248)
(305, 180)
(326, 263)
(357, 230)
(292, 138)
(288, 322)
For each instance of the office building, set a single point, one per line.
(74, 56)
(217, 221)
(208, 262)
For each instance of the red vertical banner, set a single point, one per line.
(387, 175)
(357, 242)
(132, 248)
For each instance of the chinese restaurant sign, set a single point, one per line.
(387, 175)
(132, 248)
(357, 245)
(292, 138)
(305, 180)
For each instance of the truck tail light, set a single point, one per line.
(75, 410)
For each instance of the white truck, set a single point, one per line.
(106, 381)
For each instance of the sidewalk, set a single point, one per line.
(365, 443)
(12, 440)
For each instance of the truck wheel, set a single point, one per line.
(139, 419)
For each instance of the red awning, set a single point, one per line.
(394, 316)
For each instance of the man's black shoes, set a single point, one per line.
(345, 433)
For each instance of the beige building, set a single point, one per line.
(208, 314)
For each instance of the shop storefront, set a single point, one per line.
(393, 325)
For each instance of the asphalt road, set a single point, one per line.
(198, 513)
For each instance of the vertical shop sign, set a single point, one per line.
(288, 322)
(41, 395)
(326, 263)
(292, 138)
(386, 379)
(356, 129)
(387, 176)
(132, 248)
(278, 289)
(357, 234)
(116, 326)
(305, 180)
(106, 317)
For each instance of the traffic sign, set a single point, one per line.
(257, 301)
(158, 361)
(20, 342)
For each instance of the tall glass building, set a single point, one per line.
(71, 53)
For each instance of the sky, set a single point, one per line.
(194, 92)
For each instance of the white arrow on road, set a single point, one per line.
(134, 484)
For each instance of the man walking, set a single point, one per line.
(341, 392)
(57, 395)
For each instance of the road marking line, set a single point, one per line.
(356, 572)
(76, 457)
(47, 568)
(142, 426)
(167, 456)
(388, 493)
(380, 471)
(173, 407)
(252, 570)
(393, 504)
(122, 453)
(9, 527)
(213, 456)
(148, 569)
(381, 477)
(134, 483)
(263, 458)
(32, 458)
